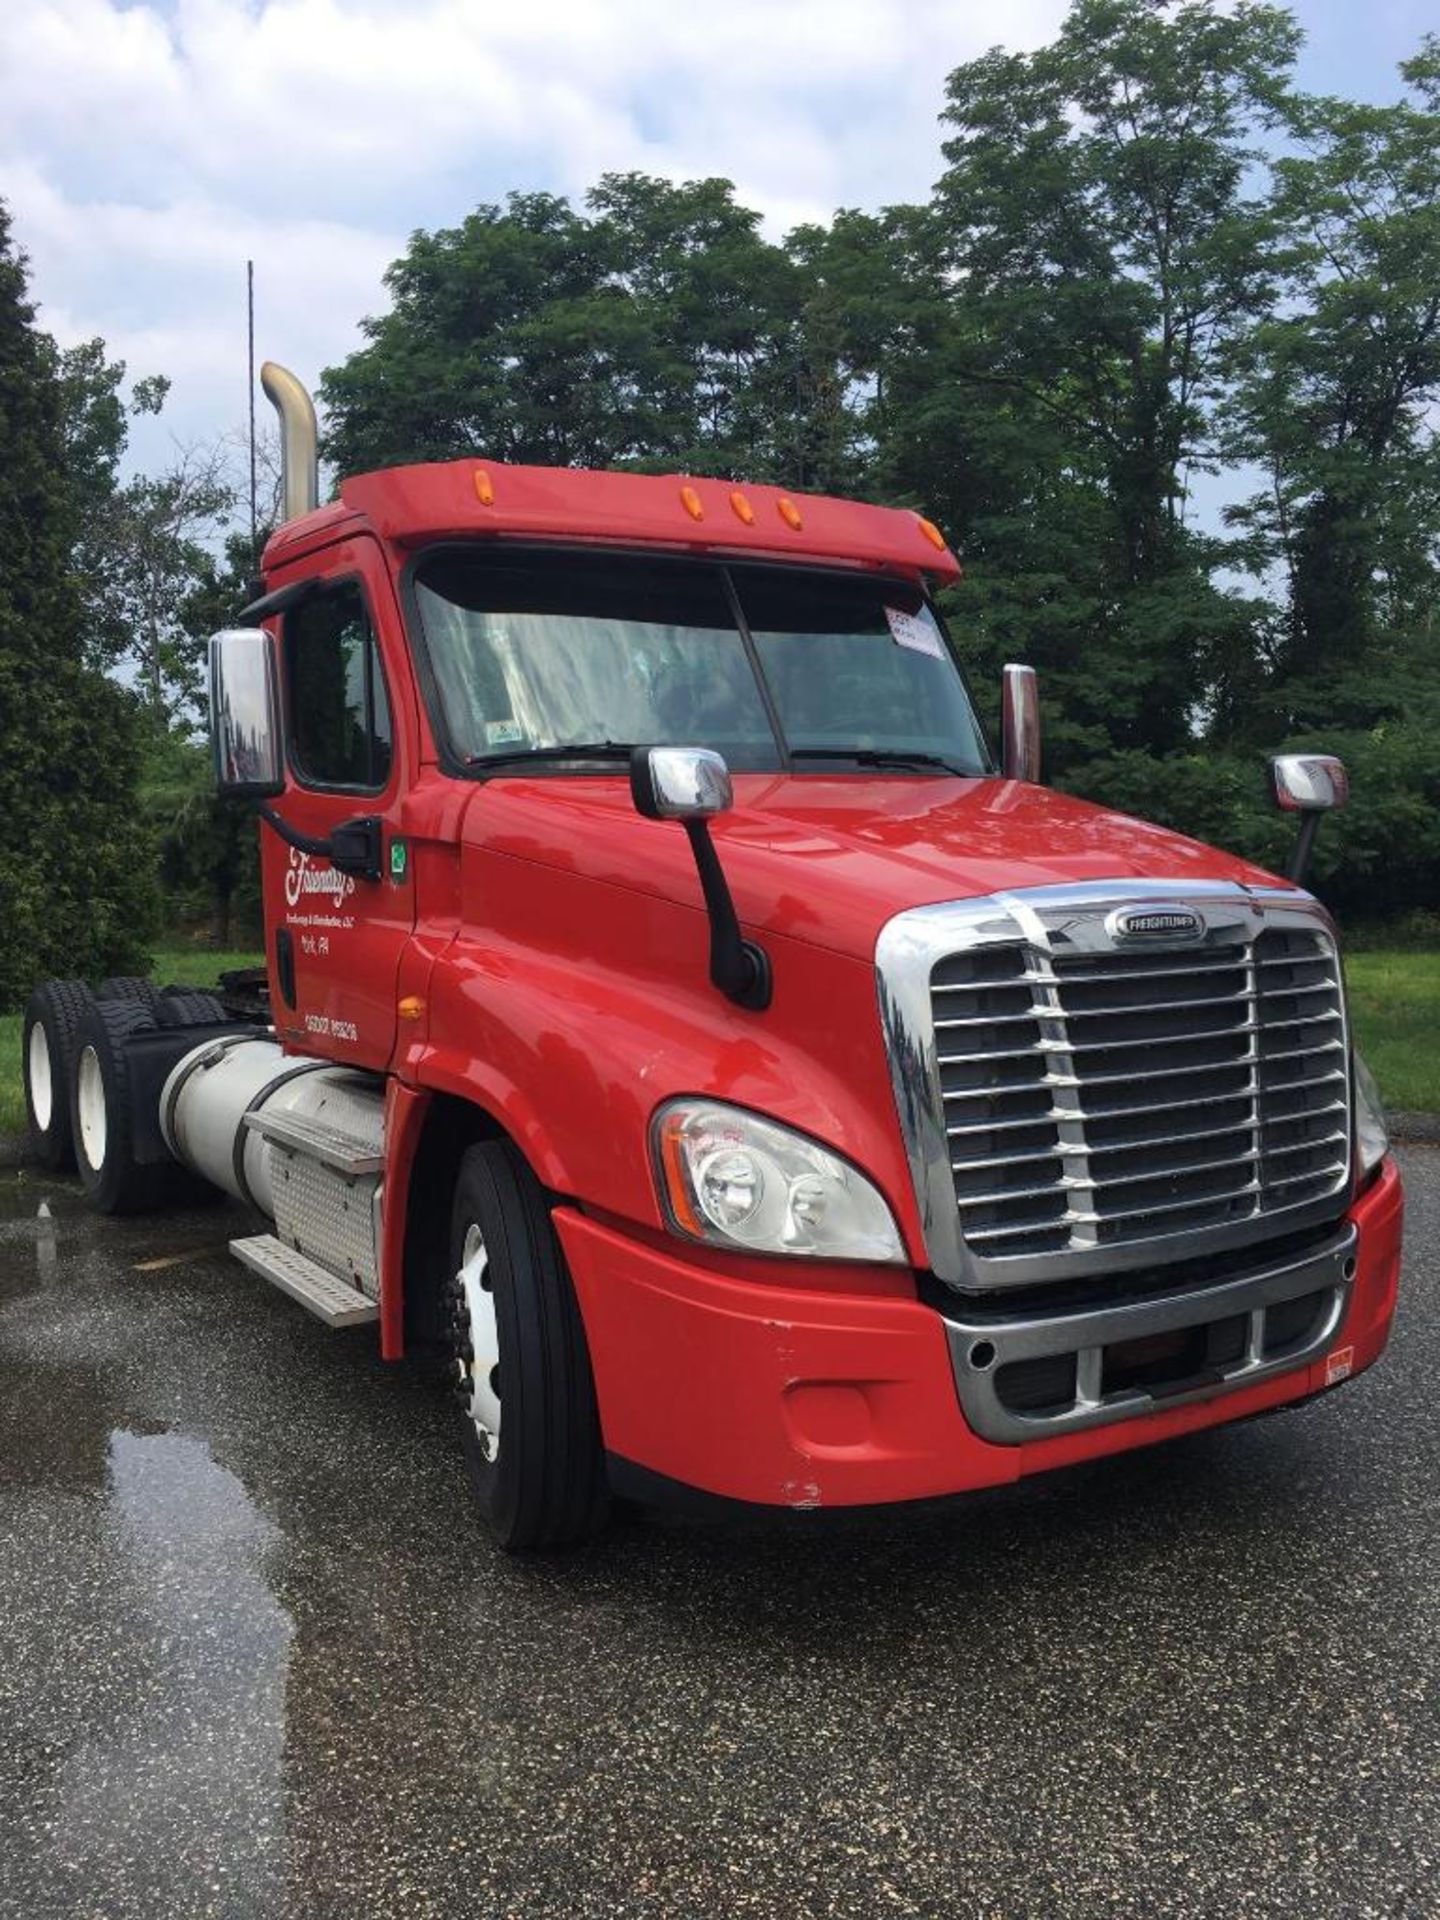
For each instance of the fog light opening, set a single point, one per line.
(982, 1355)
(1350, 1268)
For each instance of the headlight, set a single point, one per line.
(731, 1178)
(1372, 1136)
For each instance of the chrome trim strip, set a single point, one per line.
(1088, 1331)
(907, 951)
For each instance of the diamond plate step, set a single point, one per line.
(334, 1301)
(328, 1145)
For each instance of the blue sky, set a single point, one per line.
(146, 149)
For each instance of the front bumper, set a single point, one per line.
(795, 1397)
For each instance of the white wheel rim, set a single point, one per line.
(482, 1373)
(42, 1088)
(90, 1100)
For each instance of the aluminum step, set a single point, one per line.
(328, 1145)
(320, 1292)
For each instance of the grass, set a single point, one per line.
(12, 1099)
(1395, 1011)
(1394, 1001)
(188, 967)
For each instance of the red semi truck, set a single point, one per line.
(680, 1031)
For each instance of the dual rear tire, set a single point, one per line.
(77, 1092)
(48, 1050)
(50, 1053)
(102, 1113)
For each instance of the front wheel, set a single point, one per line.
(530, 1427)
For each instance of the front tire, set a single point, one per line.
(530, 1427)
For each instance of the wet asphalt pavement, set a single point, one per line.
(256, 1658)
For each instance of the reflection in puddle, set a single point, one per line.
(178, 1808)
(45, 1241)
(28, 1225)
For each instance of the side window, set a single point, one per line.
(339, 715)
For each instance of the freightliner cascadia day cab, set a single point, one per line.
(679, 1031)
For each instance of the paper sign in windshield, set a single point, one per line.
(912, 630)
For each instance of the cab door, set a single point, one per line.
(335, 938)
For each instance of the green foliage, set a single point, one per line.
(141, 549)
(658, 330)
(206, 854)
(1098, 257)
(76, 894)
(206, 847)
(1394, 1007)
(1336, 390)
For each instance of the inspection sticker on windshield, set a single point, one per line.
(503, 733)
(912, 630)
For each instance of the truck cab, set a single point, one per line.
(693, 1042)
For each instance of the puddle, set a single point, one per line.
(178, 1807)
(22, 1193)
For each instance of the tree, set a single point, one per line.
(162, 529)
(1099, 252)
(75, 889)
(207, 844)
(206, 849)
(143, 546)
(657, 330)
(1337, 390)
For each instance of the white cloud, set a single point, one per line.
(148, 150)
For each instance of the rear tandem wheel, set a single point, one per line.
(101, 1113)
(52, 1017)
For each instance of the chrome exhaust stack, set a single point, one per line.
(299, 440)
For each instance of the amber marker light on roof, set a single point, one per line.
(933, 534)
(742, 508)
(690, 500)
(484, 492)
(790, 514)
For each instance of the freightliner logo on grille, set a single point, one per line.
(1155, 923)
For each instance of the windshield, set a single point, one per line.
(534, 652)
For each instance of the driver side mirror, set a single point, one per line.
(245, 733)
(249, 749)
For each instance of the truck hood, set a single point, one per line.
(829, 859)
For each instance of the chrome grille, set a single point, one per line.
(1095, 1098)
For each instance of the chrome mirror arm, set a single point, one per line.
(692, 785)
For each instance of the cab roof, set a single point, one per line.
(451, 499)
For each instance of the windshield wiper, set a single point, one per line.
(580, 750)
(900, 757)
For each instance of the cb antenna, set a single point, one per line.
(250, 388)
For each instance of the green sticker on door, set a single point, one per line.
(399, 860)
